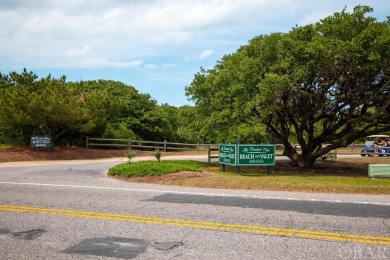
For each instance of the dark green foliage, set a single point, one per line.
(119, 131)
(160, 123)
(322, 83)
(70, 111)
(52, 106)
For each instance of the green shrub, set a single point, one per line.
(157, 154)
(119, 131)
(130, 155)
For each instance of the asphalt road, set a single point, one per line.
(71, 210)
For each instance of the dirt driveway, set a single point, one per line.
(25, 153)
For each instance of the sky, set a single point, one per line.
(156, 46)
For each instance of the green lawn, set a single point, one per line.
(304, 183)
(255, 178)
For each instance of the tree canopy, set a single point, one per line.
(323, 83)
(69, 111)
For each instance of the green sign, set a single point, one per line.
(41, 141)
(256, 155)
(227, 154)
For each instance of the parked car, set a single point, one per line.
(369, 146)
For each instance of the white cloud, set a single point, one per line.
(103, 63)
(205, 54)
(150, 66)
(139, 24)
(79, 52)
(190, 15)
(155, 66)
(113, 14)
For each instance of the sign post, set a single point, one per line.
(237, 164)
(269, 168)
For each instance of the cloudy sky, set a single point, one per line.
(154, 45)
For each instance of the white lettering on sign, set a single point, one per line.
(264, 156)
(224, 155)
(247, 156)
(226, 149)
(256, 161)
(260, 149)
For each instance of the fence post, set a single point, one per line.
(198, 147)
(129, 144)
(208, 154)
(165, 146)
(86, 142)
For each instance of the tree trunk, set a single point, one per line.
(308, 160)
(292, 154)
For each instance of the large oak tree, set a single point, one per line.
(324, 83)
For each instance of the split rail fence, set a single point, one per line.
(140, 144)
(171, 146)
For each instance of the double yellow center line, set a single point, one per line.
(283, 232)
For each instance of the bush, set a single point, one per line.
(157, 154)
(119, 131)
(130, 155)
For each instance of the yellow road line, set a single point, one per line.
(284, 232)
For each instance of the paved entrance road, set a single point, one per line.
(71, 210)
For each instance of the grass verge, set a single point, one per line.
(329, 178)
(154, 168)
(283, 182)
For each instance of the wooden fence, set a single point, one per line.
(165, 146)
(170, 146)
(152, 145)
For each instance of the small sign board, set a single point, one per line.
(262, 155)
(227, 154)
(41, 141)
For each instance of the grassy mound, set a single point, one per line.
(154, 168)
